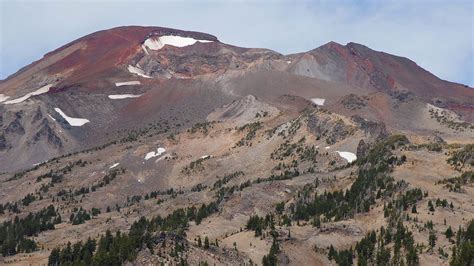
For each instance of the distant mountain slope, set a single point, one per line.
(127, 77)
(358, 65)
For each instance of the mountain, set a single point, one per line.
(121, 119)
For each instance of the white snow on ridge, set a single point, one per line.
(3, 98)
(137, 71)
(178, 41)
(39, 91)
(75, 122)
(318, 101)
(125, 83)
(144, 49)
(152, 154)
(123, 96)
(114, 165)
(349, 156)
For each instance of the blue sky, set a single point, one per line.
(438, 35)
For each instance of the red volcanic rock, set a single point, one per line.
(103, 50)
(357, 65)
(94, 56)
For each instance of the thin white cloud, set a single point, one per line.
(437, 35)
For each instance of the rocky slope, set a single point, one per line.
(128, 124)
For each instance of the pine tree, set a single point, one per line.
(432, 239)
(449, 232)
(430, 206)
(54, 257)
(332, 253)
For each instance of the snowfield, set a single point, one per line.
(125, 83)
(3, 98)
(137, 71)
(178, 41)
(152, 154)
(39, 91)
(349, 156)
(123, 96)
(318, 101)
(75, 122)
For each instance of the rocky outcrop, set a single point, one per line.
(353, 102)
(15, 127)
(333, 129)
(242, 111)
(38, 115)
(45, 132)
(402, 96)
(3, 142)
(376, 131)
(362, 149)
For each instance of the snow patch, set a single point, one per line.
(75, 122)
(51, 117)
(349, 156)
(114, 165)
(144, 49)
(318, 101)
(125, 83)
(152, 154)
(204, 157)
(123, 96)
(178, 41)
(327, 147)
(137, 71)
(39, 91)
(3, 98)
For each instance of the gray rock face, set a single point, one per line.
(15, 127)
(333, 130)
(353, 102)
(402, 96)
(377, 131)
(3, 142)
(47, 133)
(362, 148)
(38, 115)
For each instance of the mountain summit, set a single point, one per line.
(195, 71)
